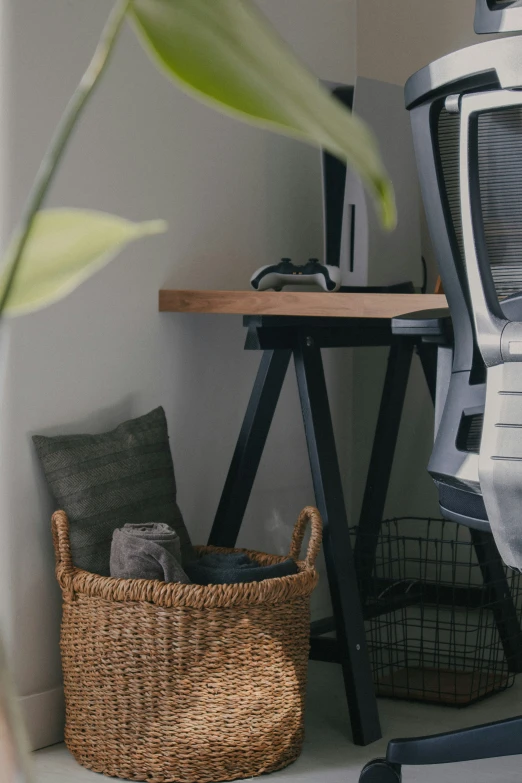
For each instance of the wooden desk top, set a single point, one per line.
(315, 304)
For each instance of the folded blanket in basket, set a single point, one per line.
(231, 568)
(147, 551)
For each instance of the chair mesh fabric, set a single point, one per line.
(500, 175)
(461, 501)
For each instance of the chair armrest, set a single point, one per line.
(430, 325)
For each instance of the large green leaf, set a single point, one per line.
(65, 247)
(226, 52)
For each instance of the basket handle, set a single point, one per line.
(62, 551)
(308, 515)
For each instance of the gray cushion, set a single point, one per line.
(105, 481)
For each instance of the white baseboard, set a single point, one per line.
(44, 715)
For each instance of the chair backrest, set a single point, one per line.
(433, 98)
(498, 16)
(498, 330)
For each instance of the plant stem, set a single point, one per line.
(14, 733)
(62, 135)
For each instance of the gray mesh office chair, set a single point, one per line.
(467, 119)
(433, 97)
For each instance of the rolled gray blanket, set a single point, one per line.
(232, 568)
(147, 551)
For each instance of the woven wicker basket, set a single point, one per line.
(171, 682)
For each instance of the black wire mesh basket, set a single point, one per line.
(442, 614)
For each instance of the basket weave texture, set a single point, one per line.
(186, 683)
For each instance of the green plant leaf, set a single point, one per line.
(65, 247)
(228, 54)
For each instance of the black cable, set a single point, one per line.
(424, 286)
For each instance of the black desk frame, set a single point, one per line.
(280, 338)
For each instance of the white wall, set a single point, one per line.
(235, 198)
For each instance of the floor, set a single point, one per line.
(329, 756)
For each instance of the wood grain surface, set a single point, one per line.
(319, 304)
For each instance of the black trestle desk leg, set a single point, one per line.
(342, 579)
(249, 448)
(504, 610)
(381, 460)
(428, 357)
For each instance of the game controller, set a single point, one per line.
(276, 276)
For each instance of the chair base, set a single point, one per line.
(492, 740)
(381, 771)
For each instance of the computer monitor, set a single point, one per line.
(367, 255)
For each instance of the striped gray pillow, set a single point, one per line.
(104, 481)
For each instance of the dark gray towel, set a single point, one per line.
(233, 568)
(147, 551)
